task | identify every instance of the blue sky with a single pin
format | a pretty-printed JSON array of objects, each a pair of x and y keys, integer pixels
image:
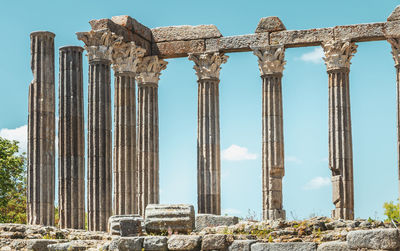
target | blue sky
[{"x": 306, "y": 185}]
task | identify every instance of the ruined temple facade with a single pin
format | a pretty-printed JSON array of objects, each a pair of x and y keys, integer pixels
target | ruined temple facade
[{"x": 138, "y": 54}]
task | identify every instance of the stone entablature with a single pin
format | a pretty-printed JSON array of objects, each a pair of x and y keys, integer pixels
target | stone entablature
[{"x": 179, "y": 41}]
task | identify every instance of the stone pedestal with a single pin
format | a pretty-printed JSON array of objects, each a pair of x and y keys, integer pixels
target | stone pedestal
[
  {"x": 125, "y": 59},
  {"x": 271, "y": 64},
  {"x": 337, "y": 59},
  {"x": 41, "y": 131},
  {"x": 99, "y": 170},
  {"x": 207, "y": 68},
  {"x": 149, "y": 71},
  {"x": 71, "y": 140}
]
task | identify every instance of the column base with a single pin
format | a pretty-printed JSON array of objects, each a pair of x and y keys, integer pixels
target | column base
[
  {"x": 274, "y": 214},
  {"x": 343, "y": 213}
]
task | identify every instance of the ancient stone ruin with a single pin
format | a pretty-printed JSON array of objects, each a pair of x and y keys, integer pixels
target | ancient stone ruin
[{"x": 138, "y": 54}]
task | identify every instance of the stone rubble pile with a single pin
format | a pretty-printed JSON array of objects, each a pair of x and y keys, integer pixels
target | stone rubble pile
[{"x": 208, "y": 232}]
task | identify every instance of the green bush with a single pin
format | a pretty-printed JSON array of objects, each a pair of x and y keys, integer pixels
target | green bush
[
  {"x": 12, "y": 183},
  {"x": 392, "y": 211}
]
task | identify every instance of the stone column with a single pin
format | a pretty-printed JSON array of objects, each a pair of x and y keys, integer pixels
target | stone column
[
  {"x": 271, "y": 63},
  {"x": 395, "y": 43},
  {"x": 71, "y": 140},
  {"x": 207, "y": 68},
  {"x": 125, "y": 60},
  {"x": 98, "y": 47},
  {"x": 337, "y": 60},
  {"x": 149, "y": 71},
  {"x": 41, "y": 131}
]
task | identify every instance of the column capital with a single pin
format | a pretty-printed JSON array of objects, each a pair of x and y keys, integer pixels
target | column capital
[
  {"x": 149, "y": 69},
  {"x": 126, "y": 56},
  {"x": 98, "y": 44},
  {"x": 208, "y": 65},
  {"x": 395, "y": 43},
  {"x": 338, "y": 53},
  {"x": 270, "y": 59}
]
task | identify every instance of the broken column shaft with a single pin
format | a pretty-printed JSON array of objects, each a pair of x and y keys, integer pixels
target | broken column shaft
[
  {"x": 337, "y": 59},
  {"x": 41, "y": 131},
  {"x": 71, "y": 140},
  {"x": 271, "y": 64}
]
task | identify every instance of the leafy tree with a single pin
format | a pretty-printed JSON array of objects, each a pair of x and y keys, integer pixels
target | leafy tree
[
  {"x": 392, "y": 211},
  {"x": 12, "y": 183}
]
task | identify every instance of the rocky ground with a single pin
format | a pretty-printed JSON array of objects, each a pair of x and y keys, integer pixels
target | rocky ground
[{"x": 317, "y": 233}]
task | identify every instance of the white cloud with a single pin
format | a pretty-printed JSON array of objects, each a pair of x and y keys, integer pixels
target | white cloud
[
  {"x": 235, "y": 152},
  {"x": 19, "y": 134},
  {"x": 293, "y": 159},
  {"x": 231, "y": 211},
  {"x": 317, "y": 183},
  {"x": 314, "y": 56}
]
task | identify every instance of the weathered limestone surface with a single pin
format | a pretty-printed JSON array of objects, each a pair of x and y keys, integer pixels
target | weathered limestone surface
[
  {"x": 211, "y": 220},
  {"x": 237, "y": 43},
  {"x": 125, "y": 35},
  {"x": 214, "y": 242},
  {"x": 184, "y": 242},
  {"x": 114, "y": 222},
  {"x": 207, "y": 67},
  {"x": 334, "y": 235},
  {"x": 176, "y": 218},
  {"x": 179, "y": 41},
  {"x": 149, "y": 71},
  {"x": 271, "y": 63},
  {"x": 270, "y": 24},
  {"x": 185, "y": 32},
  {"x": 395, "y": 15},
  {"x": 298, "y": 246},
  {"x": 395, "y": 43},
  {"x": 126, "y": 244},
  {"x": 99, "y": 172},
  {"x": 130, "y": 227},
  {"x": 39, "y": 245},
  {"x": 337, "y": 59},
  {"x": 72, "y": 245},
  {"x": 155, "y": 243},
  {"x": 241, "y": 245},
  {"x": 334, "y": 246},
  {"x": 134, "y": 26},
  {"x": 41, "y": 131},
  {"x": 125, "y": 58},
  {"x": 387, "y": 239},
  {"x": 175, "y": 49},
  {"x": 71, "y": 139}
]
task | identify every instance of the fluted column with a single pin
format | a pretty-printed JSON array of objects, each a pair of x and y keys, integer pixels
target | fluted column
[
  {"x": 207, "y": 68},
  {"x": 395, "y": 43},
  {"x": 149, "y": 71},
  {"x": 71, "y": 140},
  {"x": 271, "y": 64},
  {"x": 337, "y": 59},
  {"x": 99, "y": 169},
  {"x": 125, "y": 60},
  {"x": 41, "y": 131}
]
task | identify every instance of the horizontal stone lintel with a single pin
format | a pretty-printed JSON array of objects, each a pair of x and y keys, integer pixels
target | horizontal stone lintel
[
  {"x": 179, "y": 41},
  {"x": 288, "y": 38}
]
